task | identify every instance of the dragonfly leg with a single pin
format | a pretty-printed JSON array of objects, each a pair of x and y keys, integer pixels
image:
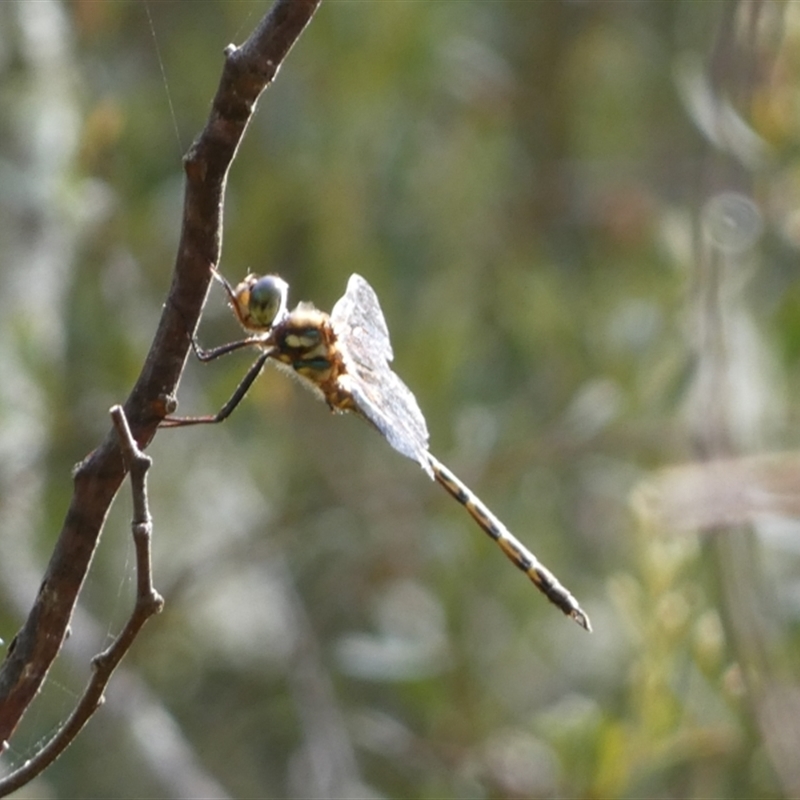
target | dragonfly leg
[
  {"x": 515, "y": 551},
  {"x": 235, "y": 399},
  {"x": 222, "y": 350}
]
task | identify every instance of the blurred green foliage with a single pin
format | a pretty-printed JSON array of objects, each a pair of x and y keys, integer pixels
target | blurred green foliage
[{"x": 527, "y": 186}]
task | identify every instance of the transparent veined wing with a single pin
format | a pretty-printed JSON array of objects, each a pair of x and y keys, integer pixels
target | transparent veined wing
[{"x": 376, "y": 390}]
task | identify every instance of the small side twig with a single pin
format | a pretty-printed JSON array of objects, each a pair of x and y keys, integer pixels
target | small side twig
[{"x": 148, "y": 602}]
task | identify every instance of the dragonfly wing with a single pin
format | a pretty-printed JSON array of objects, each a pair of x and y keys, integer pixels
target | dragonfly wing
[
  {"x": 377, "y": 392},
  {"x": 361, "y": 324},
  {"x": 397, "y": 417}
]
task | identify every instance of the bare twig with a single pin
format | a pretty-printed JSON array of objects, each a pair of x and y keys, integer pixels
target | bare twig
[
  {"x": 148, "y": 603},
  {"x": 156, "y": 740},
  {"x": 247, "y": 72}
]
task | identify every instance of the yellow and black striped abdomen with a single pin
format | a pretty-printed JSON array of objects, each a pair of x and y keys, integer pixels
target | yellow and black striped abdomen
[{"x": 516, "y": 552}]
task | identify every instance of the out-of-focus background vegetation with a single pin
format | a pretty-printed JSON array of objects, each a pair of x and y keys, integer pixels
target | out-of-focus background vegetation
[{"x": 582, "y": 221}]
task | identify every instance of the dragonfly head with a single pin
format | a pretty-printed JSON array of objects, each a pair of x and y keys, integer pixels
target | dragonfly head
[{"x": 259, "y": 301}]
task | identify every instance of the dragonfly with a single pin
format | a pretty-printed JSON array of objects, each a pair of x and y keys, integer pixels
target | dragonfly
[{"x": 345, "y": 359}]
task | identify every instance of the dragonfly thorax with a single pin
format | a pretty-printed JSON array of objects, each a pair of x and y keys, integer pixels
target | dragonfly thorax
[{"x": 305, "y": 342}]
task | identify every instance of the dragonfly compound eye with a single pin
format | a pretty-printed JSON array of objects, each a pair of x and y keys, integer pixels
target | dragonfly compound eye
[{"x": 267, "y": 301}]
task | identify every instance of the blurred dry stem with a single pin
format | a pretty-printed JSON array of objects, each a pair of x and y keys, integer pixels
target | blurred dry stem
[
  {"x": 732, "y": 406},
  {"x": 709, "y": 494}
]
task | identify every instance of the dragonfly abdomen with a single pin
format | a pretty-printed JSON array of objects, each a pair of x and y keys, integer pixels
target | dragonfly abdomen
[{"x": 515, "y": 551}]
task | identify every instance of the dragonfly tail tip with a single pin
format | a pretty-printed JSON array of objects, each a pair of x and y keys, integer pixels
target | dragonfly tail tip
[{"x": 582, "y": 618}]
